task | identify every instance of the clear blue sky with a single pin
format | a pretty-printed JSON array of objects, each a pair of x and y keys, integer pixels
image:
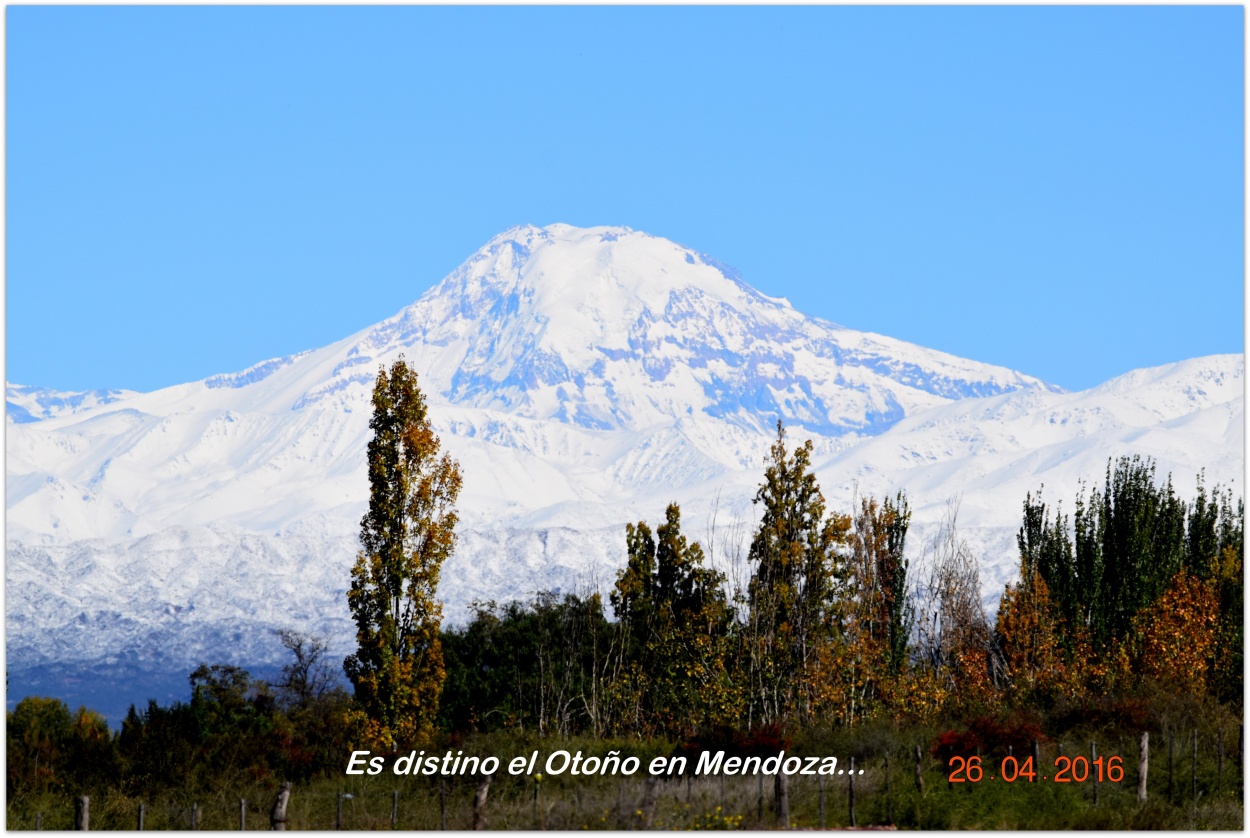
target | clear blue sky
[{"x": 193, "y": 190}]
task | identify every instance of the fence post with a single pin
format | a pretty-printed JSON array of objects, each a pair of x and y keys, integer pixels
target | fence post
[
  {"x": 919, "y": 773},
  {"x": 339, "y": 820},
  {"x": 1037, "y": 761},
  {"x": 1219, "y": 759},
  {"x": 395, "y": 809},
  {"x": 649, "y": 798},
  {"x": 140, "y": 816},
  {"x": 442, "y": 803},
  {"x": 82, "y": 813},
  {"x": 1171, "y": 741},
  {"x": 38, "y": 821},
  {"x": 277, "y": 818},
  {"x": 1143, "y": 766},
  {"x": 821, "y": 778},
  {"x": 889, "y": 799},
  {"x": 195, "y": 816},
  {"x": 479, "y": 803},
  {"x": 1193, "y": 770},
  {"x": 783, "y": 800},
  {"x": 242, "y": 814},
  {"x": 851, "y": 793}
]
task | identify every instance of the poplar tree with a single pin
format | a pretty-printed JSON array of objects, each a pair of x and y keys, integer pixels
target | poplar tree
[
  {"x": 885, "y": 612},
  {"x": 675, "y": 618},
  {"x": 406, "y": 535},
  {"x": 798, "y": 593}
]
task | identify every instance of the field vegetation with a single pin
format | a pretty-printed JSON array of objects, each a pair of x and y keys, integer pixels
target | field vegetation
[{"x": 1127, "y": 619}]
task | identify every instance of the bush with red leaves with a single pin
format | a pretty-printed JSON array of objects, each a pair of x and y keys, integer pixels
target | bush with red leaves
[{"x": 988, "y": 737}]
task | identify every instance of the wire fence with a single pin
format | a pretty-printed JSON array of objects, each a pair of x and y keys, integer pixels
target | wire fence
[{"x": 1178, "y": 768}]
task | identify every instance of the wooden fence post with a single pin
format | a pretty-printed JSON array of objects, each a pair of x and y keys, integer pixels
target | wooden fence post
[
  {"x": 242, "y": 814},
  {"x": 195, "y": 816},
  {"x": 479, "y": 803},
  {"x": 821, "y": 778},
  {"x": 1193, "y": 770},
  {"x": 38, "y": 821},
  {"x": 889, "y": 799},
  {"x": 395, "y": 809},
  {"x": 140, "y": 816},
  {"x": 919, "y": 773},
  {"x": 1143, "y": 766},
  {"x": 851, "y": 791},
  {"x": 1219, "y": 759},
  {"x": 277, "y": 818},
  {"x": 82, "y": 813},
  {"x": 1171, "y": 741},
  {"x": 649, "y": 798},
  {"x": 783, "y": 799}
]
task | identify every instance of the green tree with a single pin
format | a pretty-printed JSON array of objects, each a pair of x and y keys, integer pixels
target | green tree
[
  {"x": 884, "y": 610},
  {"x": 675, "y": 620},
  {"x": 1128, "y": 542},
  {"x": 407, "y": 534},
  {"x": 536, "y": 666},
  {"x": 798, "y": 592}
]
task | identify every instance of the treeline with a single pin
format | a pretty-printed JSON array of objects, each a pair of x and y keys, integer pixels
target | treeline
[
  {"x": 1137, "y": 588},
  {"x": 833, "y": 629},
  {"x": 233, "y": 727}
]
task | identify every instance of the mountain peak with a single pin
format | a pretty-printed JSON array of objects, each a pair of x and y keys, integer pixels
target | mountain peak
[{"x": 613, "y": 328}]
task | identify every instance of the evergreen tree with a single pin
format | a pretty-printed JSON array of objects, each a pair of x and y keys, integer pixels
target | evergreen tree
[{"x": 406, "y": 535}]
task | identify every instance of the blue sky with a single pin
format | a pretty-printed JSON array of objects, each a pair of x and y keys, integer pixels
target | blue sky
[{"x": 193, "y": 190}]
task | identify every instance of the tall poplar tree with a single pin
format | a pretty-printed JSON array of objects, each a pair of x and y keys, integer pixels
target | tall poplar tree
[
  {"x": 675, "y": 619},
  {"x": 407, "y": 534},
  {"x": 798, "y": 594}
]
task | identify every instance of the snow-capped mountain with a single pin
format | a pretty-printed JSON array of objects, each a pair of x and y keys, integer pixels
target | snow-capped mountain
[
  {"x": 30, "y": 404},
  {"x": 583, "y": 378}
]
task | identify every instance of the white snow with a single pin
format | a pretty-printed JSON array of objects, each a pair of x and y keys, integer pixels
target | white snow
[{"x": 583, "y": 378}]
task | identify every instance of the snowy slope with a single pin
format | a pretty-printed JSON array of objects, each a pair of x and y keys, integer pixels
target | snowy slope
[
  {"x": 583, "y": 378},
  {"x": 30, "y": 404}
]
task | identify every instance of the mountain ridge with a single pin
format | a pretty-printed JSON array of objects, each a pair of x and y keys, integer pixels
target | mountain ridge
[{"x": 243, "y": 491}]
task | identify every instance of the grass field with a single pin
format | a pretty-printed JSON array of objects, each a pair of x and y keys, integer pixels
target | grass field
[{"x": 1209, "y": 797}]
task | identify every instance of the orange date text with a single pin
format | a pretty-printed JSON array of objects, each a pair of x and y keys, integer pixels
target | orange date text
[{"x": 1076, "y": 769}]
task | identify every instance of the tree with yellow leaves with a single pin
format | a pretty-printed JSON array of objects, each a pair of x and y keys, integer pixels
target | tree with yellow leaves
[
  {"x": 1028, "y": 640},
  {"x": 798, "y": 593},
  {"x": 1178, "y": 634},
  {"x": 406, "y": 535}
]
